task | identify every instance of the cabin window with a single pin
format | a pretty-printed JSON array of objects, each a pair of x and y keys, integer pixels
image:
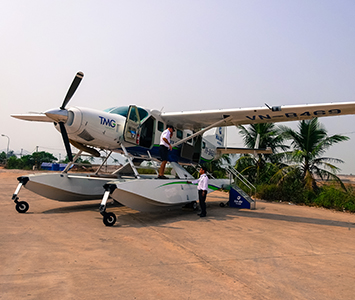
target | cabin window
[
  {"x": 160, "y": 126},
  {"x": 179, "y": 134},
  {"x": 203, "y": 145}
]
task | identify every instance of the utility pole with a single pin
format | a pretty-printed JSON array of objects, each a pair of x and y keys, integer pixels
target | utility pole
[
  {"x": 35, "y": 166},
  {"x": 8, "y": 144}
]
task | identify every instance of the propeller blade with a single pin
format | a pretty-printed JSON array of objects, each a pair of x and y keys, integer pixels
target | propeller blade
[
  {"x": 77, "y": 79},
  {"x": 66, "y": 140}
]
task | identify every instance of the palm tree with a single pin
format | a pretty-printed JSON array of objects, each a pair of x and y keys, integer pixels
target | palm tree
[
  {"x": 215, "y": 167},
  {"x": 310, "y": 142},
  {"x": 269, "y": 137},
  {"x": 260, "y": 167}
]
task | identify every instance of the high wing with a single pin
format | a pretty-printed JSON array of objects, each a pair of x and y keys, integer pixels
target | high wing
[
  {"x": 37, "y": 117},
  {"x": 229, "y": 150},
  {"x": 195, "y": 120}
]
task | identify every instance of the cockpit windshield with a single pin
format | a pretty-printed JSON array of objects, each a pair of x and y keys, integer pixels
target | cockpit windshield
[{"x": 123, "y": 111}]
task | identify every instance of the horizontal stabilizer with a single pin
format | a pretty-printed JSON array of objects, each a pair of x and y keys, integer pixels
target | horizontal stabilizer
[
  {"x": 228, "y": 150},
  {"x": 37, "y": 117}
]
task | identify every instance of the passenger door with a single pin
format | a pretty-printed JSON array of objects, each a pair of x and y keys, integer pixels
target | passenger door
[{"x": 131, "y": 131}]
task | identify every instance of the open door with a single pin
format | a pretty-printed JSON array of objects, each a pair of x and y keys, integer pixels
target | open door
[
  {"x": 132, "y": 126},
  {"x": 147, "y": 133}
]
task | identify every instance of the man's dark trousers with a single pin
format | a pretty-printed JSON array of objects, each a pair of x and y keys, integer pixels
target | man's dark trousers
[{"x": 202, "y": 200}]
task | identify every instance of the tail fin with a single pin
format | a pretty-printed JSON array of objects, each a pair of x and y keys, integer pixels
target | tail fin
[{"x": 219, "y": 136}]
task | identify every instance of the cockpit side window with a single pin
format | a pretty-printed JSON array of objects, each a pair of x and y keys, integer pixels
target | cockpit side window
[
  {"x": 142, "y": 113},
  {"x": 133, "y": 115}
]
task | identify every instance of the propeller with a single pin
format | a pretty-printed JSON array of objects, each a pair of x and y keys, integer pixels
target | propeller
[
  {"x": 62, "y": 114},
  {"x": 63, "y": 131},
  {"x": 77, "y": 79}
]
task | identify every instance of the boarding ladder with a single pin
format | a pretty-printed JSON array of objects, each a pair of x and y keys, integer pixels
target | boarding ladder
[
  {"x": 237, "y": 197},
  {"x": 130, "y": 166}
]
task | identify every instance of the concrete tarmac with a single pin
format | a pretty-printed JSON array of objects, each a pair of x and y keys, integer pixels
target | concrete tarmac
[{"x": 63, "y": 250}]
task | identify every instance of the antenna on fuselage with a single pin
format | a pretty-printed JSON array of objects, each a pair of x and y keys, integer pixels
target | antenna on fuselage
[{"x": 274, "y": 108}]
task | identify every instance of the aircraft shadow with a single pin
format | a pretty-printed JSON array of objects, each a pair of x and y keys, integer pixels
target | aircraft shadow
[
  {"x": 80, "y": 207},
  {"x": 214, "y": 212},
  {"x": 295, "y": 219},
  {"x": 127, "y": 217}
]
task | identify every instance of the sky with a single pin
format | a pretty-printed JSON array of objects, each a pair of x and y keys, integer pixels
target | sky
[{"x": 174, "y": 55}]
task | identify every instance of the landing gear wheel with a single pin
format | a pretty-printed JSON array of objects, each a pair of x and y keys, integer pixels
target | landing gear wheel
[
  {"x": 109, "y": 219},
  {"x": 222, "y": 204},
  {"x": 22, "y": 207}
]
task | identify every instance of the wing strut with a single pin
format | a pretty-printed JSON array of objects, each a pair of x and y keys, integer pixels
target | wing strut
[
  {"x": 71, "y": 163},
  {"x": 200, "y": 132},
  {"x": 103, "y": 162}
]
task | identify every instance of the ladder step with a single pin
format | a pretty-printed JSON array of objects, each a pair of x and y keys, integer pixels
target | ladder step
[{"x": 240, "y": 199}]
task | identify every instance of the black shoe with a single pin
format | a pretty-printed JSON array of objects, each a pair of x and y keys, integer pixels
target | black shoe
[
  {"x": 162, "y": 177},
  {"x": 201, "y": 215}
]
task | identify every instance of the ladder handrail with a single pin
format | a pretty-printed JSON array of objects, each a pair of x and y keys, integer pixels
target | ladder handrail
[{"x": 233, "y": 172}]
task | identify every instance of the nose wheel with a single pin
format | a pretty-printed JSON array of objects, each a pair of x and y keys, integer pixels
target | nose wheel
[
  {"x": 22, "y": 206},
  {"x": 109, "y": 218}
]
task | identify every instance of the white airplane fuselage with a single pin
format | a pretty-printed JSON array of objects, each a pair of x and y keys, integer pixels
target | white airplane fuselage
[{"x": 106, "y": 130}]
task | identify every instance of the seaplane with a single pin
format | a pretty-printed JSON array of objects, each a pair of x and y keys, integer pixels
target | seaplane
[{"x": 134, "y": 132}]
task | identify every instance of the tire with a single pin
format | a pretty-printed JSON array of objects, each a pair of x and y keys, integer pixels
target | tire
[
  {"x": 222, "y": 204},
  {"x": 109, "y": 219},
  {"x": 22, "y": 207}
]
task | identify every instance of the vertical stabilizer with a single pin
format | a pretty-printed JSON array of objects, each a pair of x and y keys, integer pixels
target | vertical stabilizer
[{"x": 220, "y": 136}]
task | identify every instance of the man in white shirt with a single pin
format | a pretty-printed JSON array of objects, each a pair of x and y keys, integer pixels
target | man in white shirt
[
  {"x": 202, "y": 190},
  {"x": 164, "y": 148}
]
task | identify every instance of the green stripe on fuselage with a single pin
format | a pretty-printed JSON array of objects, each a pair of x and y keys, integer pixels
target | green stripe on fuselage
[{"x": 211, "y": 187}]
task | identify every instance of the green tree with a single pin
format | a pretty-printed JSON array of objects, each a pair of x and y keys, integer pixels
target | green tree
[
  {"x": 261, "y": 167},
  {"x": 28, "y": 161},
  {"x": 40, "y": 157},
  {"x": 215, "y": 167},
  {"x": 309, "y": 143},
  {"x": 10, "y": 153},
  {"x": 2, "y": 157},
  {"x": 269, "y": 136},
  {"x": 14, "y": 163}
]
